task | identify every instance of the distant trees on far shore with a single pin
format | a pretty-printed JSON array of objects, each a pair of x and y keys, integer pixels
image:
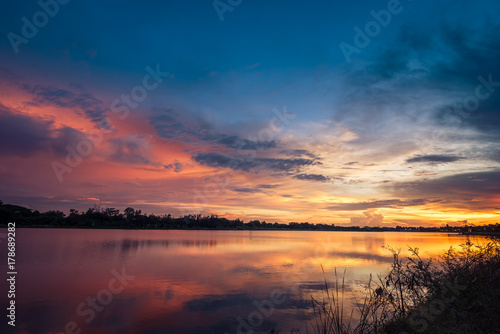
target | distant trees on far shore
[{"x": 134, "y": 219}]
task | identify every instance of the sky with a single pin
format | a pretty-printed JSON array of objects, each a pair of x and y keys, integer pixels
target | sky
[{"x": 369, "y": 113}]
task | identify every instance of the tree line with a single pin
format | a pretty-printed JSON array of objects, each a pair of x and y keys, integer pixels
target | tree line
[{"x": 131, "y": 218}]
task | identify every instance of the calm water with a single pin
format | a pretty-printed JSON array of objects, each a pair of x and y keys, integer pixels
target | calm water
[{"x": 114, "y": 281}]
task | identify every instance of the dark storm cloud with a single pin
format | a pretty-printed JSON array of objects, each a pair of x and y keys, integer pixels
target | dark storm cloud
[
  {"x": 85, "y": 103},
  {"x": 392, "y": 203},
  {"x": 23, "y": 135},
  {"x": 311, "y": 177},
  {"x": 434, "y": 158}
]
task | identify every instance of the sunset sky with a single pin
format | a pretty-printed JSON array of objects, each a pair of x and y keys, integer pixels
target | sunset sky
[{"x": 376, "y": 113}]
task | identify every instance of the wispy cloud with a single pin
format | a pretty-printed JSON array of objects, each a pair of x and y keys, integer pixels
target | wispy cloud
[
  {"x": 214, "y": 159},
  {"x": 391, "y": 203},
  {"x": 311, "y": 177},
  {"x": 434, "y": 158},
  {"x": 80, "y": 102}
]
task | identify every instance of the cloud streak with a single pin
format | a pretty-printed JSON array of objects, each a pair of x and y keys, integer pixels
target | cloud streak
[
  {"x": 434, "y": 158},
  {"x": 80, "y": 102}
]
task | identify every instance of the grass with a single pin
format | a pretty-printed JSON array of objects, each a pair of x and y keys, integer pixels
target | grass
[
  {"x": 329, "y": 313},
  {"x": 458, "y": 292}
]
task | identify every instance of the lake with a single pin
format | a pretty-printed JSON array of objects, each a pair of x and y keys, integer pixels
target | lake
[{"x": 169, "y": 281}]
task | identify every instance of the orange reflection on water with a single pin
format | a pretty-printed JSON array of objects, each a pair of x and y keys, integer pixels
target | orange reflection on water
[{"x": 196, "y": 281}]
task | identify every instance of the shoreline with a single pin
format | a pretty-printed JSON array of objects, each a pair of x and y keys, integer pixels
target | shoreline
[{"x": 347, "y": 229}]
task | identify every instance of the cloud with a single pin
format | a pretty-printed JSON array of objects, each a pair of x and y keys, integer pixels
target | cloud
[
  {"x": 268, "y": 186},
  {"x": 443, "y": 57},
  {"x": 473, "y": 191},
  {"x": 369, "y": 218},
  {"x": 299, "y": 153},
  {"x": 261, "y": 188},
  {"x": 242, "y": 144},
  {"x": 434, "y": 158},
  {"x": 392, "y": 203},
  {"x": 311, "y": 177},
  {"x": 170, "y": 124},
  {"x": 246, "y": 190},
  {"x": 495, "y": 155},
  {"x": 400, "y": 99},
  {"x": 23, "y": 135},
  {"x": 177, "y": 166},
  {"x": 192, "y": 128},
  {"x": 85, "y": 103},
  {"x": 132, "y": 150},
  {"x": 286, "y": 165},
  {"x": 214, "y": 159}
]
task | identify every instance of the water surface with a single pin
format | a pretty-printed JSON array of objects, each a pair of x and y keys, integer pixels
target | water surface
[{"x": 191, "y": 281}]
